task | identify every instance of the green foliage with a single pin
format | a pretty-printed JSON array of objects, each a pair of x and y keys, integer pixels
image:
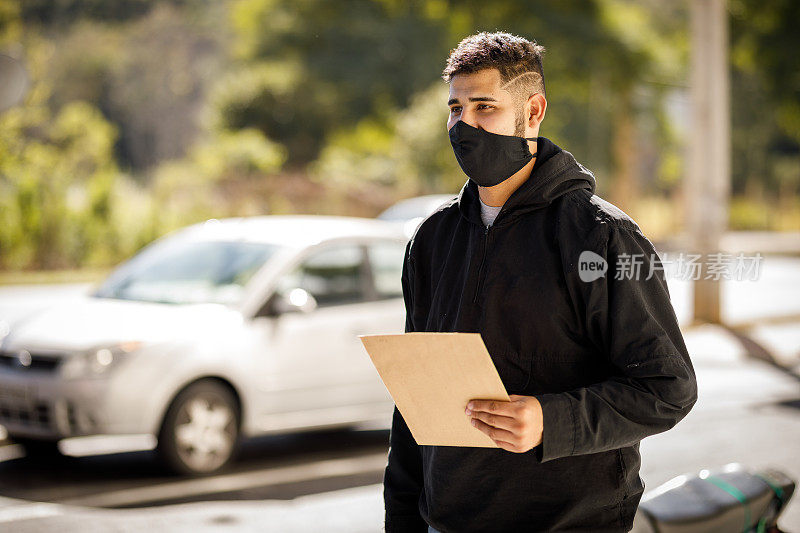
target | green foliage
[
  {"x": 57, "y": 175},
  {"x": 322, "y": 66},
  {"x": 197, "y": 187},
  {"x": 60, "y": 12},
  {"x": 408, "y": 151},
  {"x": 146, "y": 115},
  {"x": 149, "y": 75},
  {"x": 754, "y": 214},
  {"x": 765, "y": 87},
  {"x": 10, "y": 23},
  {"x": 239, "y": 153}
]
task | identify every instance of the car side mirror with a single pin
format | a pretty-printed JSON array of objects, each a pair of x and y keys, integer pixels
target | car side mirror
[{"x": 295, "y": 301}]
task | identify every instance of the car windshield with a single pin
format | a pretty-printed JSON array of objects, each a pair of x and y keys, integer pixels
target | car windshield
[{"x": 188, "y": 272}]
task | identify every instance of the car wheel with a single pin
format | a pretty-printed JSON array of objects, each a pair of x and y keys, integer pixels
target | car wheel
[{"x": 200, "y": 432}]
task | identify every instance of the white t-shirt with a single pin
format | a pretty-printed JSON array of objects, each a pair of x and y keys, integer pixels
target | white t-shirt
[{"x": 489, "y": 213}]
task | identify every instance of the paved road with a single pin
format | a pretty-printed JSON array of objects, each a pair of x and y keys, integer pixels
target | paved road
[{"x": 748, "y": 412}]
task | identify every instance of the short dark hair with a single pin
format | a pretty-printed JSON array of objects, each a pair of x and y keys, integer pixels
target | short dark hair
[{"x": 515, "y": 57}]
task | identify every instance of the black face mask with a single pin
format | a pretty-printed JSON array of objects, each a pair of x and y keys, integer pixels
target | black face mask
[{"x": 488, "y": 158}]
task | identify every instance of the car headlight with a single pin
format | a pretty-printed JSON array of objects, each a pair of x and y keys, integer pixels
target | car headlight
[{"x": 97, "y": 361}]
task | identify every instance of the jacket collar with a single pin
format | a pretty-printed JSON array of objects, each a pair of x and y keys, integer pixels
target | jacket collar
[{"x": 554, "y": 173}]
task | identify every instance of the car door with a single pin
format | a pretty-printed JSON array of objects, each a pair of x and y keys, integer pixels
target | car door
[
  {"x": 387, "y": 314},
  {"x": 314, "y": 360}
]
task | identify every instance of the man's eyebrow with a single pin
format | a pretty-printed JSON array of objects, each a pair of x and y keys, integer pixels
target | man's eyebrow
[{"x": 473, "y": 99}]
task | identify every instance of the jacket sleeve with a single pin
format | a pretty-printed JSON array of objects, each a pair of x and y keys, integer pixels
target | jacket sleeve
[
  {"x": 632, "y": 322},
  {"x": 402, "y": 480}
]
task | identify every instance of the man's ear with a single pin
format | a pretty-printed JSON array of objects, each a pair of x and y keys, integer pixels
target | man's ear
[{"x": 537, "y": 106}]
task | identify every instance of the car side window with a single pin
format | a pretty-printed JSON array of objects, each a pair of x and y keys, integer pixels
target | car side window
[
  {"x": 386, "y": 263},
  {"x": 334, "y": 276}
]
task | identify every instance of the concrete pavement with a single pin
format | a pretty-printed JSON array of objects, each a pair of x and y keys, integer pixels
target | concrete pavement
[{"x": 748, "y": 411}]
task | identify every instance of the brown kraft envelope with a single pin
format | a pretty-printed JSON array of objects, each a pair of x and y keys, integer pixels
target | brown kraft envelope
[{"x": 431, "y": 377}]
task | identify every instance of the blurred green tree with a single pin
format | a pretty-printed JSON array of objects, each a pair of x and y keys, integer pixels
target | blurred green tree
[
  {"x": 309, "y": 68},
  {"x": 57, "y": 175},
  {"x": 765, "y": 86},
  {"x": 171, "y": 111}
]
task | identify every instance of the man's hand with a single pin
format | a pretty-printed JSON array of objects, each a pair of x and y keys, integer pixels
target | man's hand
[{"x": 515, "y": 426}]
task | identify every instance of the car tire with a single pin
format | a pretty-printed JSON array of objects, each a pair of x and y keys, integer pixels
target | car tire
[{"x": 200, "y": 431}]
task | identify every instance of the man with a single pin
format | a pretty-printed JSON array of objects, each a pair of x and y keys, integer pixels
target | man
[{"x": 527, "y": 256}]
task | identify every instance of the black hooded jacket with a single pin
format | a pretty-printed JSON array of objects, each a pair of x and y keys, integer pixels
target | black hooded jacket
[{"x": 604, "y": 357}]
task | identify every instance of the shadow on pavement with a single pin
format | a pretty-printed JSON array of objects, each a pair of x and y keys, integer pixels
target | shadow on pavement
[
  {"x": 757, "y": 350},
  {"x": 57, "y": 478}
]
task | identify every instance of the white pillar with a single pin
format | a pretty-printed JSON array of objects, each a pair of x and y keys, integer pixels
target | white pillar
[{"x": 708, "y": 184}]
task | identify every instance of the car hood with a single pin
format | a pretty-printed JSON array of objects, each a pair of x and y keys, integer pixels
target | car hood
[{"x": 87, "y": 322}]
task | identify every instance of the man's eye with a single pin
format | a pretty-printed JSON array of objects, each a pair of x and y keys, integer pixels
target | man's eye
[
  {"x": 455, "y": 109},
  {"x": 485, "y": 106}
]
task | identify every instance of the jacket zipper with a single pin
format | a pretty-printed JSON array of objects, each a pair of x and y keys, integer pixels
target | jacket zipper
[{"x": 480, "y": 268}]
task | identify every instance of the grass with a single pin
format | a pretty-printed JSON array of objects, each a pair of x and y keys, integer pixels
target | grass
[{"x": 25, "y": 277}]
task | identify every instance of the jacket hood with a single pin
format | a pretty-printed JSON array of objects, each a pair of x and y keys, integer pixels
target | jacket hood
[{"x": 554, "y": 173}]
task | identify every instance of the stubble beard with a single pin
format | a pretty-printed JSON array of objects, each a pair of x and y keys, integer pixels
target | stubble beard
[{"x": 519, "y": 123}]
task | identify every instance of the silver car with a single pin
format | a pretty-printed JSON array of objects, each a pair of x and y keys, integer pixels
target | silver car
[
  {"x": 410, "y": 212},
  {"x": 221, "y": 330}
]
